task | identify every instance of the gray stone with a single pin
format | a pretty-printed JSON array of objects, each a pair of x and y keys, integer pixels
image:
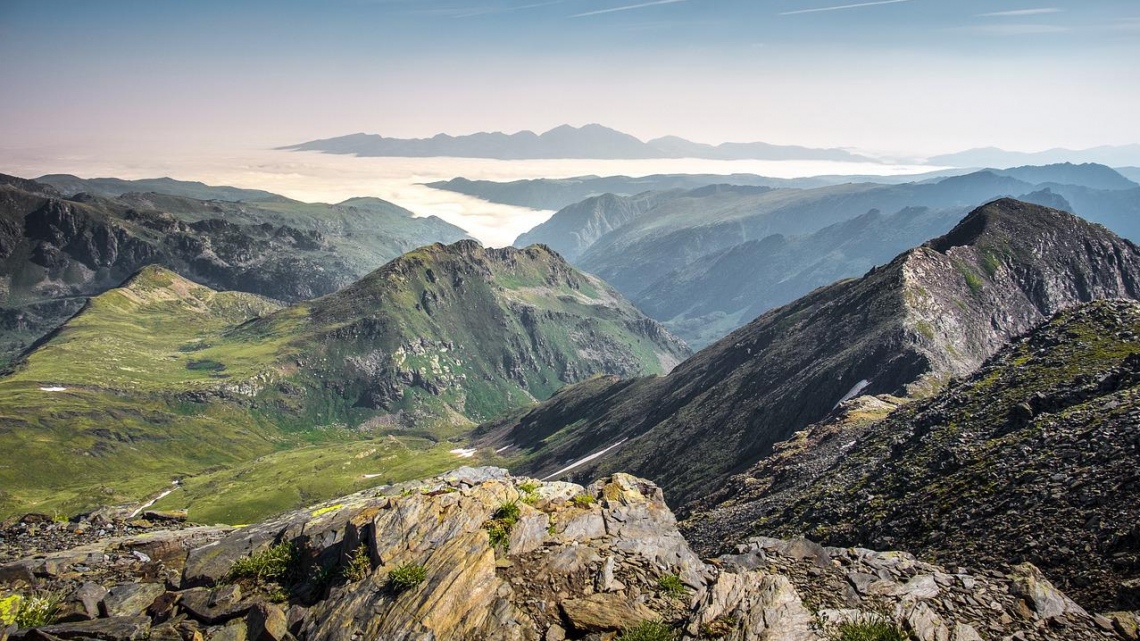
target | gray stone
[
  {"x": 112, "y": 629},
  {"x": 130, "y": 599}
]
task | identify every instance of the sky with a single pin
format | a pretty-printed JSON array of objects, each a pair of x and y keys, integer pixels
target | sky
[{"x": 904, "y": 78}]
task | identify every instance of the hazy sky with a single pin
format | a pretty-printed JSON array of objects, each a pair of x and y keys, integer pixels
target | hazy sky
[{"x": 912, "y": 76}]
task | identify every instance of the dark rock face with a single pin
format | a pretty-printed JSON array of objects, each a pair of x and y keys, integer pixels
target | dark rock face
[
  {"x": 1032, "y": 458},
  {"x": 933, "y": 312}
]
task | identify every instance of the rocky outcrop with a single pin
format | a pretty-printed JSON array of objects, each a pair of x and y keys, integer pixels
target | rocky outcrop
[{"x": 478, "y": 554}]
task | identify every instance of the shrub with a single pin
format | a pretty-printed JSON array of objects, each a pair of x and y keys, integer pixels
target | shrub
[
  {"x": 649, "y": 631},
  {"x": 273, "y": 564},
  {"x": 359, "y": 566},
  {"x": 869, "y": 629},
  {"x": 671, "y": 586},
  {"x": 406, "y": 576}
]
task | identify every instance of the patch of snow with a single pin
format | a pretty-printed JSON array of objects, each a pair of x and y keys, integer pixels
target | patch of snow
[
  {"x": 584, "y": 460},
  {"x": 369, "y": 476},
  {"x": 53, "y": 389},
  {"x": 462, "y": 453},
  {"x": 156, "y": 499},
  {"x": 859, "y": 387},
  {"x": 505, "y": 447}
]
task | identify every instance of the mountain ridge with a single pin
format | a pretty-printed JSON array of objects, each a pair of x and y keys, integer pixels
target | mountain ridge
[
  {"x": 152, "y": 379},
  {"x": 589, "y": 141},
  {"x": 1044, "y": 432},
  {"x": 904, "y": 326}
]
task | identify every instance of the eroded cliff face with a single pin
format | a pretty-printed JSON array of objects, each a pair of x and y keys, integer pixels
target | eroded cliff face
[{"x": 478, "y": 554}]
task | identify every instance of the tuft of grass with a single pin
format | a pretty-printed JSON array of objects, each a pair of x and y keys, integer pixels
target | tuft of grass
[
  {"x": 649, "y": 631},
  {"x": 502, "y": 521},
  {"x": 276, "y": 563},
  {"x": 583, "y": 500},
  {"x": 671, "y": 586},
  {"x": 406, "y": 576},
  {"x": 869, "y": 629},
  {"x": 359, "y": 566}
]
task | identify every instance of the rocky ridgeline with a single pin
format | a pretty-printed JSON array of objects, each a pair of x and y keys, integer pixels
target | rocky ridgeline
[
  {"x": 477, "y": 554},
  {"x": 1032, "y": 458}
]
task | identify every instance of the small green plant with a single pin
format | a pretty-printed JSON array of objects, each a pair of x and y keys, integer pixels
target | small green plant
[
  {"x": 508, "y": 514},
  {"x": 273, "y": 564},
  {"x": 406, "y": 576},
  {"x": 973, "y": 281},
  {"x": 583, "y": 500},
  {"x": 322, "y": 577},
  {"x": 871, "y": 628},
  {"x": 37, "y": 609},
  {"x": 530, "y": 487},
  {"x": 649, "y": 631},
  {"x": 359, "y": 566},
  {"x": 501, "y": 523},
  {"x": 671, "y": 586}
]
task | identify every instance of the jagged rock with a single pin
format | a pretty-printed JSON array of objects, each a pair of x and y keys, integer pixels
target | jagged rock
[
  {"x": 235, "y": 630},
  {"x": 130, "y": 599},
  {"x": 84, "y": 603},
  {"x": 925, "y": 624},
  {"x": 19, "y": 572},
  {"x": 604, "y": 612},
  {"x": 213, "y": 606},
  {"x": 755, "y": 605},
  {"x": 965, "y": 632},
  {"x": 579, "y": 588},
  {"x": 112, "y": 629},
  {"x": 1047, "y": 601},
  {"x": 267, "y": 622}
]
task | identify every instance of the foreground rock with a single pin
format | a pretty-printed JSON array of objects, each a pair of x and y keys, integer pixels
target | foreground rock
[{"x": 477, "y": 554}]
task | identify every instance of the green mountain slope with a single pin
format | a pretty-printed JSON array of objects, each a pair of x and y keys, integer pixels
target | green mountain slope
[
  {"x": 56, "y": 252},
  {"x": 935, "y": 311},
  {"x": 1032, "y": 458},
  {"x": 425, "y": 347}
]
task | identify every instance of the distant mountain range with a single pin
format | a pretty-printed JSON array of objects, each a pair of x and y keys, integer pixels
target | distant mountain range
[
  {"x": 1113, "y": 156},
  {"x": 590, "y": 141},
  {"x": 705, "y": 261}
]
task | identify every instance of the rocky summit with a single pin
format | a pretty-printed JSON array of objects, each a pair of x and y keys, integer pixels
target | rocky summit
[
  {"x": 1033, "y": 457},
  {"x": 479, "y": 554}
]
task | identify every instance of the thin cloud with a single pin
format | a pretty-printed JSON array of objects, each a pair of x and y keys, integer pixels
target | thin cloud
[
  {"x": 1015, "y": 29},
  {"x": 636, "y": 6},
  {"x": 841, "y": 7},
  {"x": 1019, "y": 13}
]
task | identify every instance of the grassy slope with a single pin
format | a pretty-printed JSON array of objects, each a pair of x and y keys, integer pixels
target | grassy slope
[
  {"x": 119, "y": 362},
  {"x": 164, "y": 378}
]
